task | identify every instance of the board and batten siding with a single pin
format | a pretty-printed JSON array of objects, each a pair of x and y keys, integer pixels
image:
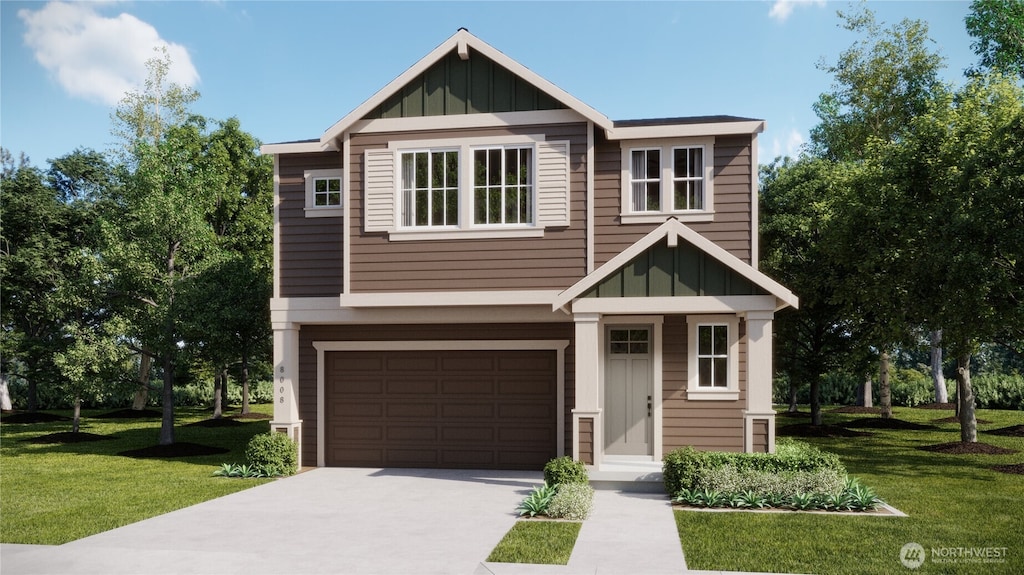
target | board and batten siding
[
  {"x": 555, "y": 261},
  {"x": 731, "y": 228},
  {"x": 431, "y": 332},
  {"x": 310, "y": 249},
  {"x": 705, "y": 425}
]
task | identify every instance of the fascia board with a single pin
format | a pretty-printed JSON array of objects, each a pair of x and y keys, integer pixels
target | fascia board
[{"x": 686, "y": 130}]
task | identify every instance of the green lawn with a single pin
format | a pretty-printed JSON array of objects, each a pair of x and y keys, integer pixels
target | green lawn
[
  {"x": 55, "y": 493},
  {"x": 537, "y": 541},
  {"x": 953, "y": 501}
]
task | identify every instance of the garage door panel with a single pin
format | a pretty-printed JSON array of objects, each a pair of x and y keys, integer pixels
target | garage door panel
[{"x": 450, "y": 408}]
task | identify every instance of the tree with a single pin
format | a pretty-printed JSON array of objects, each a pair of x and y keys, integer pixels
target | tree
[{"x": 997, "y": 27}]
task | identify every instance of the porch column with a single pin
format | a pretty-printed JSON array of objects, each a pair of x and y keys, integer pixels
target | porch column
[
  {"x": 759, "y": 417},
  {"x": 586, "y": 406},
  {"x": 286, "y": 383}
]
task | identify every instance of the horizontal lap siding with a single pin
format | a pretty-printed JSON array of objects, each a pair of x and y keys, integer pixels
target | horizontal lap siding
[
  {"x": 555, "y": 261},
  {"x": 710, "y": 425},
  {"x": 310, "y": 333},
  {"x": 731, "y": 228},
  {"x": 310, "y": 250}
]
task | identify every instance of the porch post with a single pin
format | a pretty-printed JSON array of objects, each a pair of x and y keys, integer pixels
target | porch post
[
  {"x": 286, "y": 390},
  {"x": 759, "y": 379},
  {"x": 587, "y": 389}
]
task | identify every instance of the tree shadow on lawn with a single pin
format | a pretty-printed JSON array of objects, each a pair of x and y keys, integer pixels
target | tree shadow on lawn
[{"x": 25, "y": 417}]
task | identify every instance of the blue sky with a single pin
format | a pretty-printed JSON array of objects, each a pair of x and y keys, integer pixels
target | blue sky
[{"x": 289, "y": 70}]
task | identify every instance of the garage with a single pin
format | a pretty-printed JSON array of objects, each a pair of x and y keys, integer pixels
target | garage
[{"x": 483, "y": 409}]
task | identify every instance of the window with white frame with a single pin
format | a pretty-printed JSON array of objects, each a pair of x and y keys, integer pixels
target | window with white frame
[
  {"x": 430, "y": 188},
  {"x": 324, "y": 193},
  {"x": 503, "y": 185},
  {"x": 713, "y": 357},
  {"x": 667, "y": 178}
]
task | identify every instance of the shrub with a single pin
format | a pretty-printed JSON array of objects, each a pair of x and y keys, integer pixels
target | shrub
[
  {"x": 728, "y": 479},
  {"x": 273, "y": 454},
  {"x": 999, "y": 391},
  {"x": 910, "y": 387},
  {"x": 572, "y": 501},
  {"x": 538, "y": 501},
  {"x": 564, "y": 471}
]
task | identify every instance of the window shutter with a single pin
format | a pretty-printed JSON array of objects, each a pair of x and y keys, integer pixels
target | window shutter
[
  {"x": 553, "y": 183},
  {"x": 379, "y": 190}
]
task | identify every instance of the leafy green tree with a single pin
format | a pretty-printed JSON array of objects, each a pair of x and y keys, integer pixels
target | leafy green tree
[{"x": 997, "y": 27}]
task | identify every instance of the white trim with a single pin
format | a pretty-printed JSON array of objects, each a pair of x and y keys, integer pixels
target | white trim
[
  {"x": 591, "y": 154},
  {"x": 694, "y": 392},
  {"x": 463, "y": 37},
  {"x": 325, "y": 311},
  {"x": 667, "y": 180},
  {"x": 448, "y": 298},
  {"x": 674, "y": 305},
  {"x": 748, "y": 429},
  {"x": 447, "y": 233},
  {"x": 674, "y": 226},
  {"x": 558, "y": 346},
  {"x": 312, "y": 210},
  {"x": 660, "y": 218},
  {"x": 755, "y": 200},
  {"x": 465, "y": 121},
  {"x": 346, "y": 221},
  {"x": 463, "y": 144},
  {"x": 277, "y": 226},
  {"x": 656, "y": 323},
  {"x": 298, "y": 148},
  {"x": 686, "y": 130}
]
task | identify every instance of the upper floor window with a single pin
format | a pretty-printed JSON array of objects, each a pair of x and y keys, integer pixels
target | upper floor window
[
  {"x": 503, "y": 185},
  {"x": 324, "y": 192},
  {"x": 430, "y": 188},
  {"x": 665, "y": 178}
]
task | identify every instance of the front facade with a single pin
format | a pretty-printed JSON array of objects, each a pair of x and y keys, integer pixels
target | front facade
[{"x": 475, "y": 269}]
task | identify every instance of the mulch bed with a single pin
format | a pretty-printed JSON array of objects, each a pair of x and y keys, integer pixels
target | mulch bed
[
  {"x": 221, "y": 422},
  {"x": 949, "y": 405},
  {"x": 879, "y": 423},
  {"x": 955, "y": 419},
  {"x": 856, "y": 409},
  {"x": 174, "y": 450},
  {"x": 68, "y": 437},
  {"x": 960, "y": 448},
  {"x": 1015, "y": 468},
  {"x": 27, "y": 417},
  {"x": 793, "y": 414},
  {"x": 808, "y": 430},
  {"x": 1012, "y": 431},
  {"x": 131, "y": 414},
  {"x": 252, "y": 416}
]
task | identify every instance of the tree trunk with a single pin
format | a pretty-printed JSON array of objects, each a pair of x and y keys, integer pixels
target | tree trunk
[
  {"x": 816, "y": 400},
  {"x": 884, "y": 390},
  {"x": 167, "y": 399},
  {"x": 793, "y": 388},
  {"x": 5, "y": 394},
  {"x": 965, "y": 395},
  {"x": 864, "y": 397},
  {"x": 245, "y": 383},
  {"x": 938, "y": 378},
  {"x": 218, "y": 409},
  {"x": 224, "y": 388},
  {"x": 32, "y": 396},
  {"x": 142, "y": 392},
  {"x": 76, "y": 421}
]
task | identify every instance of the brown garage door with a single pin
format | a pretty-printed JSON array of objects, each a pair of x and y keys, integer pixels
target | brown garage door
[{"x": 447, "y": 409}]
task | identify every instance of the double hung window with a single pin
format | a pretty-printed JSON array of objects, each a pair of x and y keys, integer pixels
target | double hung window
[
  {"x": 713, "y": 357},
  {"x": 666, "y": 178},
  {"x": 645, "y": 180},
  {"x": 503, "y": 185},
  {"x": 688, "y": 178},
  {"x": 430, "y": 188}
]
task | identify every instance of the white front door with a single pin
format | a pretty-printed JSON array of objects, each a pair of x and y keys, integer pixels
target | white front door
[{"x": 627, "y": 400}]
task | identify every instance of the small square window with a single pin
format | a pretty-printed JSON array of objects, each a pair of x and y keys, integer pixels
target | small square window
[{"x": 324, "y": 193}]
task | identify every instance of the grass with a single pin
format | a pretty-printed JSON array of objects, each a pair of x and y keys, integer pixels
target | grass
[
  {"x": 537, "y": 541},
  {"x": 953, "y": 501},
  {"x": 55, "y": 493}
]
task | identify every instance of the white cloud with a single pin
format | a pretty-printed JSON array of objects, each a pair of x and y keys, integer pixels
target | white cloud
[
  {"x": 97, "y": 57},
  {"x": 788, "y": 145},
  {"x": 781, "y": 9}
]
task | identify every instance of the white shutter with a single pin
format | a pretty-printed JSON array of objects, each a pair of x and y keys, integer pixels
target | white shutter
[
  {"x": 553, "y": 183},
  {"x": 379, "y": 190}
]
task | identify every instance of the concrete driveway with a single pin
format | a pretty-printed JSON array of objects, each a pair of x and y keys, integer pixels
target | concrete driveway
[{"x": 327, "y": 520}]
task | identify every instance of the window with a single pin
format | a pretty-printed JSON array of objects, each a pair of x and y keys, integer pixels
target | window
[
  {"x": 667, "y": 178},
  {"x": 324, "y": 193},
  {"x": 430, "y": 188},
  {"x": 713, "y": 357},
  {"x": 629, "y": 341},
  {"x": 503, "y": 185}
]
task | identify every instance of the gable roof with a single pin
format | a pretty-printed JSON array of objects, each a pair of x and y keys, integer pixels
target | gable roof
[
  {"x": 673, "y": 230},
  {"x": 463, "y": 42}
]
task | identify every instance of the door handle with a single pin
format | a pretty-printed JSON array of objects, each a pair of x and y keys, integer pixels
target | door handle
[{"x": 648, "y": 406}]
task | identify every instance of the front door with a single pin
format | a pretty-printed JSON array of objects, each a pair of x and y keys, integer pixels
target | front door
[{"x": 627, "y": 399}]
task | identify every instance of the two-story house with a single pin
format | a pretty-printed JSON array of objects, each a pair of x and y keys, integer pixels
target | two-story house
[{"x": 475, "y": 269}]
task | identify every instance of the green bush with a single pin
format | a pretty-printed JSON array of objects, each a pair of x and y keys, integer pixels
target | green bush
[
  {"x": 684, "y": 467},
  {"x": 572, "y": 501},
  {"x": 727, "y": 479},
  {"x": 910, "y": 387},
  {"x": 273, "y": 454},
  {"x": 999, "y": 391},
  {"x": 564, "y": 471}
]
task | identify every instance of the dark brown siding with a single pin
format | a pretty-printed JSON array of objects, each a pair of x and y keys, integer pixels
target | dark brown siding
[
  {"x": 760, "y": 436},
  {"x": 310, "y": 333},
  {"x": 310, "y": 248},
  {"x": 710, "y": 425},
  {"x": 587, "y": 440},
  {"x": 731, "y": 228},
  {"x": 555, "y": 261}
]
